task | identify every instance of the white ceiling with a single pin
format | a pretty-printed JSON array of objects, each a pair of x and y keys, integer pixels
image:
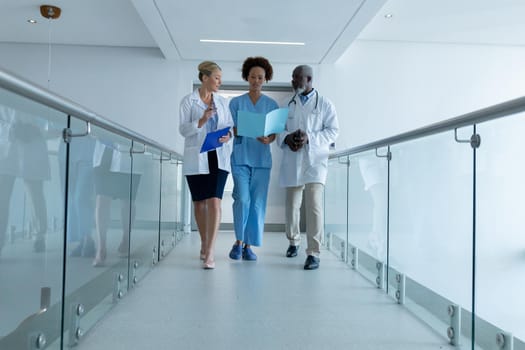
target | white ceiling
[
  {"x": 486, "y": 22},
  {"x": 327, "y": 27},
  {"x": 83, "y": 22}
]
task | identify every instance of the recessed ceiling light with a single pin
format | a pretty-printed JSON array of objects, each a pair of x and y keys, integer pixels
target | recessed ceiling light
[
  {"x": 32, "y": 21},
  {"x": 251, "y": 42},
  {"x": 389, "y": 15}
]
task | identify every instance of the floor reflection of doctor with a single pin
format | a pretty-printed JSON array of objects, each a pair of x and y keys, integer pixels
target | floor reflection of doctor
[{"x": 23, "y": 154}]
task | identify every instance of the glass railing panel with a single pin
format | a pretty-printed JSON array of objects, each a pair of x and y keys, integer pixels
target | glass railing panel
[
  {"x": 145, "y": 227},
  {"x": 335, "y": 228},
  {"x": 81, "y": 244},
  {"x": 500, "y": 248},
  {"x": 96, "y": 280},
  {"x": 169, "y": 204},
  {"x": 31, "y": 223},
  {"x": 182, "y": 196},
  {"x": 431, "y": 225},
  {"x": 367, "y": 212}
]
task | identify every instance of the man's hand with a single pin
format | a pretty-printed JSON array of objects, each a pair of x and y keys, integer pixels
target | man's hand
[
  {"x": 296, "y": 140},
  {"x": 289, "y": 141},
  {"x": 300, "y": 138}
]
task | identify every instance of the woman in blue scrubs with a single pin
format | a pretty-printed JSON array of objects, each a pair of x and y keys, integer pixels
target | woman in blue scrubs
[{"x": 251, "y": 162}]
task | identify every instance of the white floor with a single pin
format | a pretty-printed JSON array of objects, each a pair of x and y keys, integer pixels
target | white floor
[{"x": 269, "y": 304}]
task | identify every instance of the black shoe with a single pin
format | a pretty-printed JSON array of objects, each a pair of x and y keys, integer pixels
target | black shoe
[
  {"x": 292, "y": 251},
  {"x": 311, "y": 263}
]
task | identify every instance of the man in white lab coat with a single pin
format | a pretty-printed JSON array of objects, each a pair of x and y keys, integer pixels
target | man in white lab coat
[{"x": 311, "y": 128}]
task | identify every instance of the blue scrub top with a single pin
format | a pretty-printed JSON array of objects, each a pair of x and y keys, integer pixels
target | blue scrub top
[{"x": 246, "y": 150}]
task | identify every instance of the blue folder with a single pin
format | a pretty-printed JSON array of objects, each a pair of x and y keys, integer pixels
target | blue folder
[
  {"x": 211, "y": 141},
  {"x": 260, "y": 124}
]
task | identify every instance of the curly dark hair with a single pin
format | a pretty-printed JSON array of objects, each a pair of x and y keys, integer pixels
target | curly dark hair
[{"x": 259, "y": 61}]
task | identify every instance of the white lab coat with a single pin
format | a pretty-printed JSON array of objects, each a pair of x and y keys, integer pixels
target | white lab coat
[
  {"x": 191, "y": 110},
  {"x": 309, "y": 164}
]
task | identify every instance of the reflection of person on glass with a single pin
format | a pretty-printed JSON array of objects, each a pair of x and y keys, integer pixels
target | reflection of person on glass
[
  {"x": 251, "y": 162},
  {"x": 311, "y": 128},
  {"x": 373, "y": 172},
  {"x": 201, "y": 112},
  {"x": 23, "y": 154},
  {"x": 112, "y": 177},
  {"x": 80, "y": 194}
]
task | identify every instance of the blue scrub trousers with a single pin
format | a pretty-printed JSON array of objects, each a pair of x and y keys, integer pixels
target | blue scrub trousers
[{"x": 250, "y": 191}]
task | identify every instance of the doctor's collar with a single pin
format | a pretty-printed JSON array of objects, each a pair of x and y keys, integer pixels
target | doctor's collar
[{"x": 309, "y": 93}]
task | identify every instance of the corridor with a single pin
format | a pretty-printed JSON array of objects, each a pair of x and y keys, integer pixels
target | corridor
[{"x": 269, "y": 304}]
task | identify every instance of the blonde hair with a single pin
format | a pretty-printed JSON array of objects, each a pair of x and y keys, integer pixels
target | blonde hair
[{"x": 206, "y": 68}]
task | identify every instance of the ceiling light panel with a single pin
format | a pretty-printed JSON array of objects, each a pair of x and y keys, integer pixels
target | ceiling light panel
[{"x": 253, "y": 42}]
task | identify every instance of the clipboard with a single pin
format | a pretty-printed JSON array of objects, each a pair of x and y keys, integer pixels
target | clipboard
[{"x": 211, "y": 141}]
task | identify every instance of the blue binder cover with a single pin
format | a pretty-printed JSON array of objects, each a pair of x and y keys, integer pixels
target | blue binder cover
[{"x": 211, "y": 141}]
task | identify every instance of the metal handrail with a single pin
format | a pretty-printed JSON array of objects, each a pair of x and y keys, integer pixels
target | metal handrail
[
  {"x": 482, "y": 115},
  {"x": 23, "y": 87}
]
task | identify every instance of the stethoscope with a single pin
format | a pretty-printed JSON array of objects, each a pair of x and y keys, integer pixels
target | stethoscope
[{"x": 315, "y": 110}]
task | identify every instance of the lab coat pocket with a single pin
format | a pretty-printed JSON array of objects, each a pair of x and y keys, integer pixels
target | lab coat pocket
[
  {"x": 319, "y": 156},
  {"x": 191, "y": 160}
]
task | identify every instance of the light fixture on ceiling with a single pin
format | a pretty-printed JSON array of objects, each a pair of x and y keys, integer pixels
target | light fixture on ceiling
[
  {"x": 32, "y": 21},
  {"x": 50, "y": 11},
  {"x": 389, "y": 16},
  {"x": 252, "y": 42}
]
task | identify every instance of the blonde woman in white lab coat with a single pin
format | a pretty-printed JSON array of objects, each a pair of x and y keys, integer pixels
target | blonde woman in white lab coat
[{"x": 202, "y": 112}]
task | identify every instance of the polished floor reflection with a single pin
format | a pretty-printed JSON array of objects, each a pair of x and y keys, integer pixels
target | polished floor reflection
[{"x": 269, "y": 304}]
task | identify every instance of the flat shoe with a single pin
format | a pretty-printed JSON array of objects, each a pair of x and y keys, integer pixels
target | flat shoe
[
  {"x": 208, "y": 265},
  {"x": 248, "y": 254},
  {"x": 236, "y": 252}
]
